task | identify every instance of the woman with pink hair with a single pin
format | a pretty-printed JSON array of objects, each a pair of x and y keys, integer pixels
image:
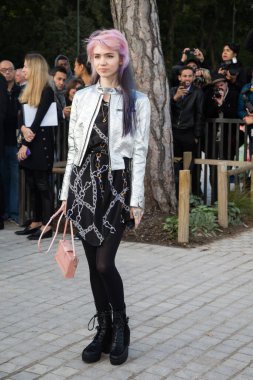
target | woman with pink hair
[{"x": 103, "y": 186}]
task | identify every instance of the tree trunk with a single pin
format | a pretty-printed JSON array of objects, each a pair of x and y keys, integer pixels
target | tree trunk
[{"x": 138, "y": 21}]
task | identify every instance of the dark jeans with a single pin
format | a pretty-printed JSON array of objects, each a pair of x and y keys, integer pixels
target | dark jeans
[
  {"x": 106, "y": 282},
  {"x": 10, "y": 176},
  {"x": 184, "y": 141},
  {"x": 1, "y": 197},
  {"x": 41, "y": 194}
]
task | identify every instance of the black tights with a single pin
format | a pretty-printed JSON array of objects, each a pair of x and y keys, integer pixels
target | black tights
[{"x": 106, "y": 283}]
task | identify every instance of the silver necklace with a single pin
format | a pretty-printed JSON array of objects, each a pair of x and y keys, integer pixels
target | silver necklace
[{"x": 105, "y": 115}]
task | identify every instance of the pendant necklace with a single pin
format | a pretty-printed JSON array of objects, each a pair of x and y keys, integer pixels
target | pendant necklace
[{"x": 105, "y": 115}]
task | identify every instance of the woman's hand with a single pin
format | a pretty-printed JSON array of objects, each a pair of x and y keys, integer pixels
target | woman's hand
[
  {"x": 199, "y": 55},
  {"x": 22, "y": 153},
  {"x": 27, "y": 133},
  {"x": 63, "y": 207},
  {"x": 136, "y": 214},
  {"x": 66, "y": 111}
]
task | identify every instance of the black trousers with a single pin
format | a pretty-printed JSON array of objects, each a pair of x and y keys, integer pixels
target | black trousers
[
  {"x": 184, "y": 141},
  {"x": 41, "y": 194},
  {"x": 106, "y": 282}
]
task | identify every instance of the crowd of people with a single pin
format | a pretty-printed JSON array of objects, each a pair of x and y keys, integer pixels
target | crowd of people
[
  {"x": 197, "y": 93},
  {"x": 13, "y": 84}
]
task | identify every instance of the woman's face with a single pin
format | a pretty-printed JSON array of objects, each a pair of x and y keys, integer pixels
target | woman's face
[
  {"x": 26, "y": 71},
  {"x": 227, "y": 53},
  {"x": 106, "y": 62},
  {"x": 78, "y": 69},
  {"x": 72, "y": 91}
]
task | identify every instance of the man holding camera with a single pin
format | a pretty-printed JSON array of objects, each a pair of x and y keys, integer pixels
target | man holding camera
[
  {"x": 221, "y": 102},
  {"x": 187, "y": 118},
  {"x": 190, "y": 57}
]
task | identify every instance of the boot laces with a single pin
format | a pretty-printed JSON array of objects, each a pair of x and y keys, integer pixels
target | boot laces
[{"x": 92, "y": 320}]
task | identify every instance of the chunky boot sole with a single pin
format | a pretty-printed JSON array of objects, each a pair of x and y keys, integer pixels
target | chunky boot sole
[
  {"x": 120, "y": 359},
  {"x": 92, "y": 357}
]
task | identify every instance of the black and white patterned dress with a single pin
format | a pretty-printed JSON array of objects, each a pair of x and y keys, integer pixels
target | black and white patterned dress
[{"x": 98, "y": 199}]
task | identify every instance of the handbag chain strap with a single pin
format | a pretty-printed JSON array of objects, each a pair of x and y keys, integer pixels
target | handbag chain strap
[{"x": 56, "y": 232}]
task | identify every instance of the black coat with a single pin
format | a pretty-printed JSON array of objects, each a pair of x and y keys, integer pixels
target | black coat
[
  {"x": 11, "y": 116},
  {"x": 187, "y": 113},
  {"x": 229, "y": 111},
  {"x": 3, "y": 109},
  {"x": 42, "y": 146}
]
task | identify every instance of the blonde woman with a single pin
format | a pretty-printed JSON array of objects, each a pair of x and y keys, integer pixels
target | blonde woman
[{"x": 36, "y": 153}]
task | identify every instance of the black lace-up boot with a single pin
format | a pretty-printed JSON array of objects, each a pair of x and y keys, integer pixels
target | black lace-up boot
[
  {"x": 120, "y": 338},
  {"x": 102, "y": 340}
]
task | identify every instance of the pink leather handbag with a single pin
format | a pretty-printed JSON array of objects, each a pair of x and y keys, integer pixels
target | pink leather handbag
[{"x": 65, "y": 255}]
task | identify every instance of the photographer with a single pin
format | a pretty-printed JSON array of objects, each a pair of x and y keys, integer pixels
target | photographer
[
  {"x": 245, "y": 110},
  {"x": 190, "y": 57},
  {"x": 220, "y": 102},
  {"x": 230, "y": 67},
  {"x": 187, "y": 119},
  {"x": 202, "y": 78}
]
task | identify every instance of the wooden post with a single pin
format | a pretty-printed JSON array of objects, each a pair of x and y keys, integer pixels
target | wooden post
[
  {"x": 187, "y": 159},
  {"x": 184, "y": 206},
  {"x": 222, "y": 195}
]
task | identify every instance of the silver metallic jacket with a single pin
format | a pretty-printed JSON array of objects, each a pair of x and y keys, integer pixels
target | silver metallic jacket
[{"x": 84, "y": 110}]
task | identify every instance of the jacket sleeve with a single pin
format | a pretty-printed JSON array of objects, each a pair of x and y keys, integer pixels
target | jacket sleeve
[
  {"x": 71, "y": 150},
  {"x": 241, "y": 110},
  {"x": 199, "y": 114},
  {"x": 229, "y": 106},
  {"x": 140, "y": 150}
]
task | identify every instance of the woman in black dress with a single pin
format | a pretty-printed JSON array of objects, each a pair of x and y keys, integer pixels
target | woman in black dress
[
  {"x": 36, "y": 154},
  {"x": 103, "y": 185}
]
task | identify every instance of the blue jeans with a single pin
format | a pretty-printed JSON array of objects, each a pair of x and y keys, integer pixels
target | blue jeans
[{"x": 9, "y": 168}]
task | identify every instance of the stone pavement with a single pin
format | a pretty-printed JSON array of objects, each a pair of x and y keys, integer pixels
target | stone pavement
[{"x": 191, "y": 312}]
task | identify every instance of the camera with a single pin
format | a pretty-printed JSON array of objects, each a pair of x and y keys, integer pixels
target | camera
[
  {"x": 183, "y": 84},
  {"x": 190, "y": 53},
  {"x": 216, "y": 93},
  {"x": 199, "y": 80},
  {"x": 230, "y": 66}
]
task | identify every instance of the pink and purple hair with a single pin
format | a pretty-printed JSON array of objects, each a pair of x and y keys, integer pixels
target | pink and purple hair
[{"x": 114, "y": 40}]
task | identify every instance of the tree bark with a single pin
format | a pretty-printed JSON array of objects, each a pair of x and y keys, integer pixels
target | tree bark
[{"x": 138, "y": 21}]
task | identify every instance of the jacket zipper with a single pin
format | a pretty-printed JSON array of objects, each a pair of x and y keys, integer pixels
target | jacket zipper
[
  {"x": 109, "y": 129},
  {"x": 89, "y": 129}
]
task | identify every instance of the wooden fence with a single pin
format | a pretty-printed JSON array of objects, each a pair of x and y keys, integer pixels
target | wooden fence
[{"x": 224, "y": 173}]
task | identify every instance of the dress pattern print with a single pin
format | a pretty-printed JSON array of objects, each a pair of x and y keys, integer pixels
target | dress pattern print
[{"x": 98, "y": 199}]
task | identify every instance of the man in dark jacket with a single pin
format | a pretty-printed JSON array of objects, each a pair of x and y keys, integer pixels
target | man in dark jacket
[
  {"x": 221, "y": 102},
  {"x": 186, "y": 117},
  {"x": 3, "y": 106},
  {"x": 220, "y": 143},
  {"x": 10, "y": 169}
]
